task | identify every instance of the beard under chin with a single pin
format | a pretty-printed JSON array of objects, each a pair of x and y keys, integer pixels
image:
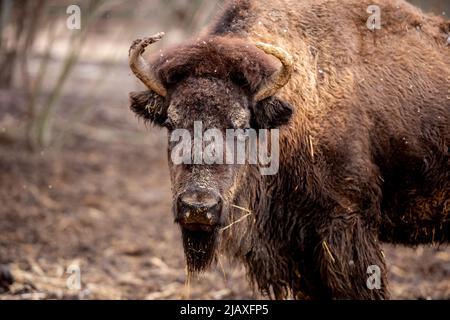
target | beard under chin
[{"x": 199, "y": 249}]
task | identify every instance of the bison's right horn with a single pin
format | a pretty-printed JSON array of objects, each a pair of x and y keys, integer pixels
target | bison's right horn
[
  {"x": 281, "y": 77},
  {"x": 141, "y": 68}
]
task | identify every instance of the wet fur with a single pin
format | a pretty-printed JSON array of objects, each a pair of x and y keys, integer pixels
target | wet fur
[{"x": 364, "y": 157}]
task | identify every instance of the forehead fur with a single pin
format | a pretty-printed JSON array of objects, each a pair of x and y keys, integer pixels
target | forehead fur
[{"x": 219, "y": 57}]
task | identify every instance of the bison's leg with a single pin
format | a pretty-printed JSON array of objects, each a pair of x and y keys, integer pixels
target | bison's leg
[{"x": 349, "y": 260}]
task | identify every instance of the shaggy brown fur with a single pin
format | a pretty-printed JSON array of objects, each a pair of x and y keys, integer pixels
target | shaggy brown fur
[{"x": 364, "y": 157}]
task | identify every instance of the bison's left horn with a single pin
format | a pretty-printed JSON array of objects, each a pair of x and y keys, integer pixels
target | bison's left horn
[
  {"x": 281, "y": 77},
  {"x": 141, "y": 68}
]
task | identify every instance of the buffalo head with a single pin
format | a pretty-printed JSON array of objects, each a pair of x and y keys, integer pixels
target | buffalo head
[{"x": 198, "y": 92}]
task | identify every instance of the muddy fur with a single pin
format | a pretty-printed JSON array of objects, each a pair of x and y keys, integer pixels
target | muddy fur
[{"x": 364, "y": 155}]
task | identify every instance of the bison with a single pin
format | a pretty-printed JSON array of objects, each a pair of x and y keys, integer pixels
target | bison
[{"x": 364, "y": 131}]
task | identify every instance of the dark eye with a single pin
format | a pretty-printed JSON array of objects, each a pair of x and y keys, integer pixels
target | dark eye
[
  {"x": 239, "y": 79},
  {"x": 168, "y": 124}
]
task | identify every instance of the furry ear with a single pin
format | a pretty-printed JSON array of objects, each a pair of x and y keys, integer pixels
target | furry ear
[
  {"x": 271, "y": 113},
  {"x": 149, "y": 105}
]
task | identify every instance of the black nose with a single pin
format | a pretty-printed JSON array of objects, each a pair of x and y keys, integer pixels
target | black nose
[{"x": 199, "y": 207}]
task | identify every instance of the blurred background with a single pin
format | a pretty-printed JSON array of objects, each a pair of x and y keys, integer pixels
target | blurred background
[{"x": 84, "y": 188}]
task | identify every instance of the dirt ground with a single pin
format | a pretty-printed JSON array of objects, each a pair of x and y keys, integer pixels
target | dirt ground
[{"x": 102, "y": 202}]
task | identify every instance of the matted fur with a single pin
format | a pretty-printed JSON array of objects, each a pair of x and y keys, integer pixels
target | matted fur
[
  {"x": 365, "y": 155},
  {"x": 218, "y": 57}
]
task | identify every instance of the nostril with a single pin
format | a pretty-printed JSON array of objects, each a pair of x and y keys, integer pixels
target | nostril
[{"x": 199, "y": 206}]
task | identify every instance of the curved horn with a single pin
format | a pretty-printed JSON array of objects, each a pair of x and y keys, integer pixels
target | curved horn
[
  {"x": 281, "y": 77},
  {"x": 141, "y": 68}
]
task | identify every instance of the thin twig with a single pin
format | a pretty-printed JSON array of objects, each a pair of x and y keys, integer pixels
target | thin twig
[
  {"x": 324, "y": 244},
  {"x": 242, "y": 208},
  {"x": 219, "y": 260},
  {"x": 187, "y": 284},
  {"x": 238, "y": 220},
  {"x": 311, "y": 146}
]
